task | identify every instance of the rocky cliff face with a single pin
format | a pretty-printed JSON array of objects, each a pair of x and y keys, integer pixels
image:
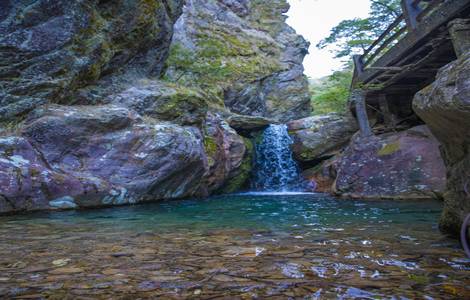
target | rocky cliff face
[
  {"x": 445, "y": 107},
  {"x": 50, "y": 49},
  {"x": 394, "y": 165},
  {"x": 89, "y": 116},
  {"x": 245, "y": 53}
]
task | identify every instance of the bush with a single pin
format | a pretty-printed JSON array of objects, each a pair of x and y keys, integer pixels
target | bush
[{"x": 331, "y": 93}]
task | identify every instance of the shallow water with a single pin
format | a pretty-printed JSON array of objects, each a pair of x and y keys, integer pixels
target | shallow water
[{"x": 238, "y": 247}]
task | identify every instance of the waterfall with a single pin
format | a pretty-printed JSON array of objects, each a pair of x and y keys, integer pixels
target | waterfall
[{"x": 275, "y": 170}]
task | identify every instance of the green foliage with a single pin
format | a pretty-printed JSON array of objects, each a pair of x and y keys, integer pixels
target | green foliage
[
  {"x": 331, "y": 93},
  {"x": 354, "y": 36}
]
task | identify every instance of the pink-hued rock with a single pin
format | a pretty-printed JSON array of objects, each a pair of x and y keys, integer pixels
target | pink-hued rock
[
  {"x": 27, "y": 182},
  {"x": 321, "y": 177},
  {"x": 95, "y": 156},
  {"x": 229, "y": 156},
  {"x": 405, "y": 165}
]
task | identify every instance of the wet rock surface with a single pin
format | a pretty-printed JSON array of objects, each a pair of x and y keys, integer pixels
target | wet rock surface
[
  {"x": 277, "y": 249},
  {"x": 322, "y": 177},
  {"x": 445, "y": 107},
  {"x": 248, "y": 124},
  {"x": 404, "y": 165}
]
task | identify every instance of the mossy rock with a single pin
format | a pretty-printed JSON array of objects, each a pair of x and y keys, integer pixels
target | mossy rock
[{"x": 389, "y": 149}]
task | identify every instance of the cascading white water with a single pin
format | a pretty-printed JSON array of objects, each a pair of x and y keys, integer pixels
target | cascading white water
[{"x": 275, "y": 170}]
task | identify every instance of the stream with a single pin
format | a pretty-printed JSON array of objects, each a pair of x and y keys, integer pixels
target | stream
[{"x": 246, "y": 246}]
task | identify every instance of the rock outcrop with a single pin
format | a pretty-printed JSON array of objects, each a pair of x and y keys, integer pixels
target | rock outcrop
[
  {"x": 96, "y": 109},
  {"x": 320, "y": 137},
  {"x": 95, "y": 156},
  {"x": 404, "y": 165},
  {"x": 50, "y": 49},
  {"x": 245, "y": 53},
  {"x": 229, "y": 157},
  {"x": 445, "y": 107}
]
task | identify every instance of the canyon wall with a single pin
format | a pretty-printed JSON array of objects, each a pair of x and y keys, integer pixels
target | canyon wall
[{"x": 100, "y": 105}]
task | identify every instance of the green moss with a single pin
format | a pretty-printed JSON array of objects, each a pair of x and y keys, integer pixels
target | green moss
[
  {"x": 420, "y": 279},
  {"x": 222, "y": 59},
  {"x": 210, "y": 145},
  {"x": 389, "y": 149},
  {"x": 236, "y": 183},
  {"x": 266, "y": 17}
]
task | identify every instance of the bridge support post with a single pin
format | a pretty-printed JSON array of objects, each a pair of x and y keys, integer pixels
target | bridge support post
[
  {"x": 411, "y": 12},
  {"x": 358, "y": 64},
  {"x": 460, "y": 34},
  {"x": 389, "y": 117},
  {"x": 358, "y": 97}
]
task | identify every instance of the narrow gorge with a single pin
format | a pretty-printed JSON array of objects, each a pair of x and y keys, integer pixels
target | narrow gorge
[{"x": 169, "y": 149}]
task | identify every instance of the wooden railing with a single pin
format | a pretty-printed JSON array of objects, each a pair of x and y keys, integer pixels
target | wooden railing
[{"x": 413, "y": 12}]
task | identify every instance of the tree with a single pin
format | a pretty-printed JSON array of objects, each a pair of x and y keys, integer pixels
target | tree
[
  {"x": 331, "y": 93},
  {"x": 354, "y": 36}
]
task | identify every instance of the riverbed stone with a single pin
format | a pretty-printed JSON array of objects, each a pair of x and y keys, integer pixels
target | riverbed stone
[
  {"x": 404, "y": 165},
  {"x": 63, "y": 203},
  {"x": 445, "y": 107}
]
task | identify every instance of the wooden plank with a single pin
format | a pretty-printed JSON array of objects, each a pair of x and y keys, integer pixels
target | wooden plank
[
  {"x": 384, "y": 45},
  {"x": 431, "y": 5},
  {"x": 432, "y": 55},
  {"x": 358, "y": 97},
  {"x": 384, "y": 34},
  {"x": 448, "y": 10},
  {"x": 411, "y": 11}
]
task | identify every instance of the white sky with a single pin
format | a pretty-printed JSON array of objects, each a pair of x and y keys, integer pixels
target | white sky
[{"x": 314, "y": 19}]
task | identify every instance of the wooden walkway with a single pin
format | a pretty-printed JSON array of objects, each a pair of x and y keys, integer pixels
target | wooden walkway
[{"x": 407, "y": 56}]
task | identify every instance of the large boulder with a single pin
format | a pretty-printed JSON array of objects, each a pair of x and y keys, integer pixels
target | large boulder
[
  {"x": 404, "y": 165},
  {"x": 445, "y": 107},
  {"x": 229, "y": 156},
  {"x": 86, "y": 156},
  {"x": 27, "y": 181},
  {"x": 51, "y": 48},
  {"x": 246, "y": 53},
  {"x": 320, "y": 137}
]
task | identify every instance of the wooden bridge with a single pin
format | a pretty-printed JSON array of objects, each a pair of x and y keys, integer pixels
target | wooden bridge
[{"x": 407, "y": 56}]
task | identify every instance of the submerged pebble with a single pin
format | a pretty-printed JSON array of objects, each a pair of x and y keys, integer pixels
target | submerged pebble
[{"x": 168, "y": 251}]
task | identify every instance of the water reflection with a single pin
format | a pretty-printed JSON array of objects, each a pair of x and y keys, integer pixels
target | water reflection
[{"x": 237, "y": 246}]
